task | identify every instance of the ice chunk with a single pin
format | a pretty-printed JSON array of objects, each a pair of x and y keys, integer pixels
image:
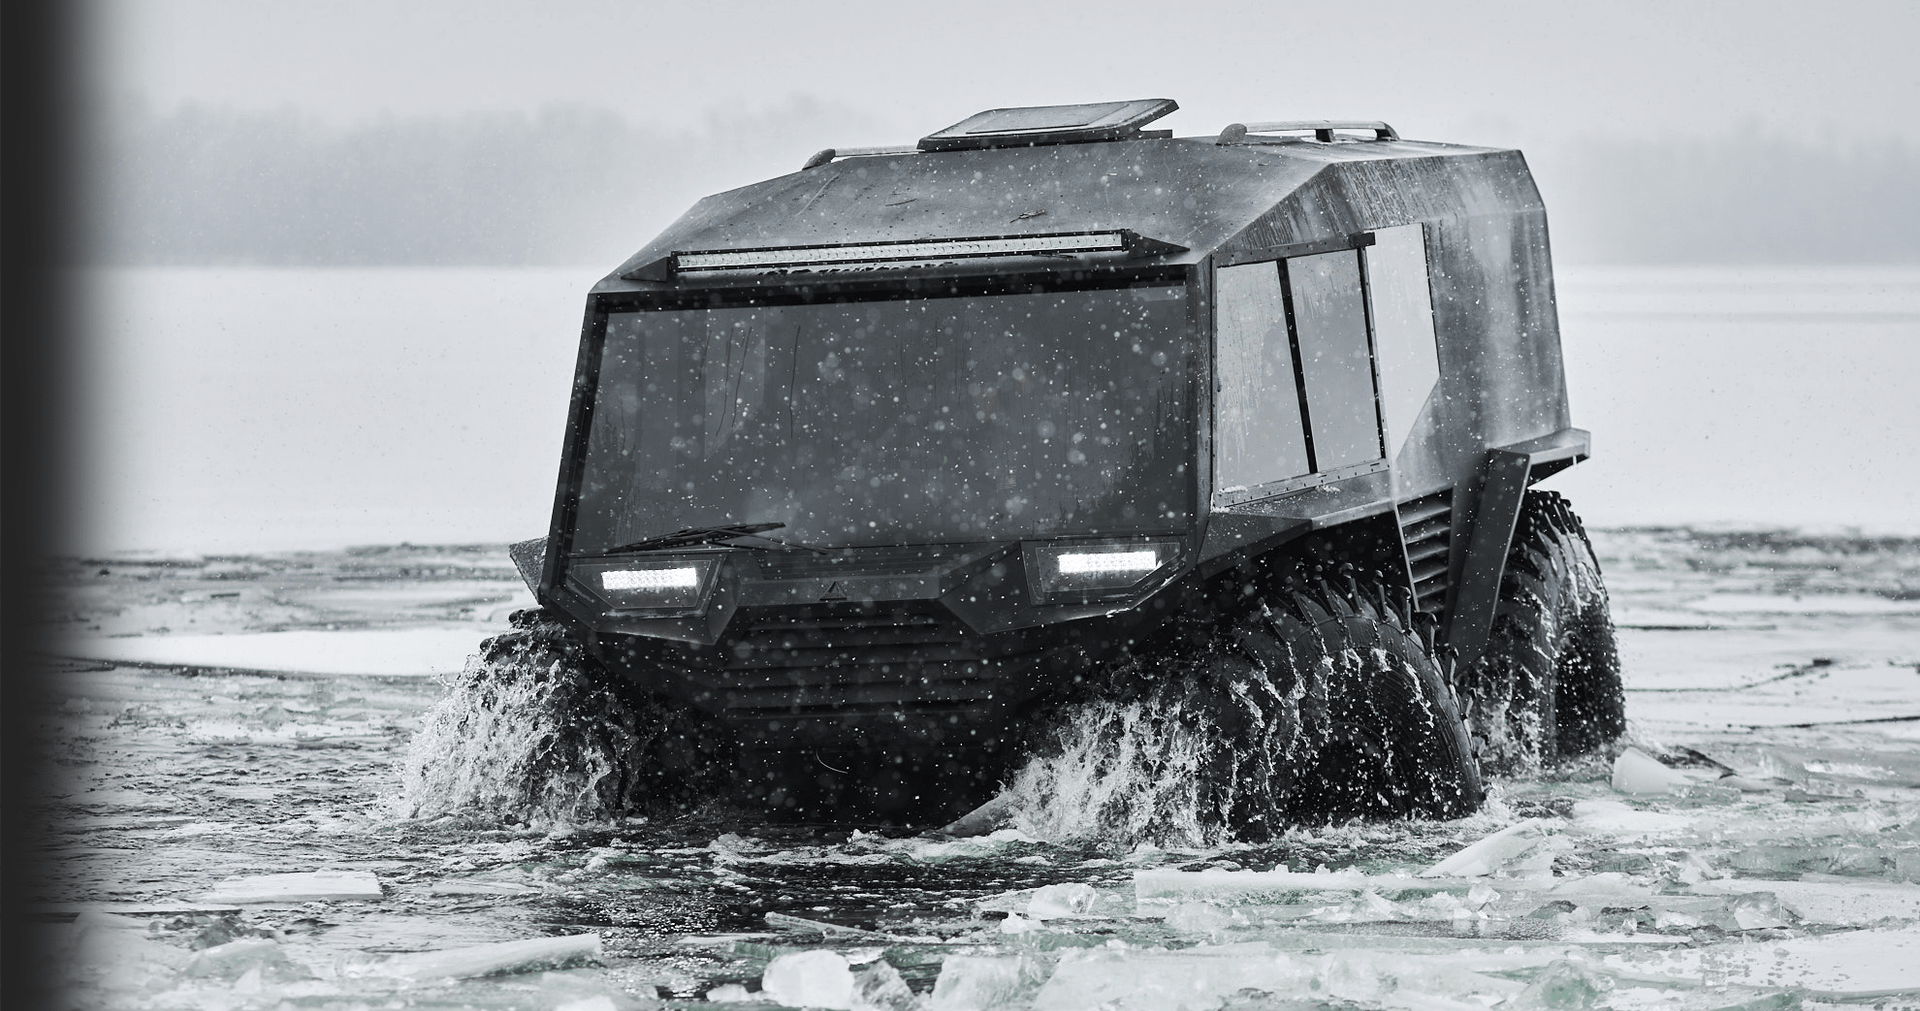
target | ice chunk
[
  {"x": 977, "y": 983},
  {"x": 1850, "y": 964},
  {"x": 981, "y": 820},
  {"x": 1636, "y": 772},
  {"x": 411, "y": 652},
  {"x": 1162, "y": 889},
  {"x": 490, "y": 959},
  {"x": 116, "y": 949},
  {"x": 315, "y": 886},
  {"x": 235, "y": 958},
  {"x": 1208, "y": 976},
  {"x": 1202, "y": 918},
  {"x": 816, "y": 978},
  {"x": 730, "y": 993},
  {"x": 1621, "y": 820},
  {"x": 1016, "y": 924},
  {"x": 1851, "y": 902},
  {"x": 1519, "y": 850},
  {"x": 785, "y": 921},
  {"x": 1759, "y": 910},
  {"x": 1564, "y": 986},
  {"x": 1073, "y": 899},
  {"x": 598, "y": 1002},
  {"x": 471, "y": 887},
  {"x": 879, "y": 987}
]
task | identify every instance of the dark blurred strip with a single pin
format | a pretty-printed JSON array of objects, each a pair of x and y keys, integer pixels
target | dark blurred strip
[{"x": 38, "y": 74}]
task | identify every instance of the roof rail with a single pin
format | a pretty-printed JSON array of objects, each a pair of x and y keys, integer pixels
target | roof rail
[
  {"x": 822, "y": 157},
  {"x": 1322, "y": 129}
]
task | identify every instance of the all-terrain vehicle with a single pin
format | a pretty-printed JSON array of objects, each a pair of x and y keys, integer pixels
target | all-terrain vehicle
[{"x": 871, "y": 466}]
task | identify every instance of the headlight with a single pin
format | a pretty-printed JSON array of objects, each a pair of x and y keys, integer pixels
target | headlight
[
  {"x": 676, "y": 585},
  {"x": 1095, "y": 571}
]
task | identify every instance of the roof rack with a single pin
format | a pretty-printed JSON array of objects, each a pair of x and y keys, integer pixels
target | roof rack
[{"x": 1322, "y": 129}]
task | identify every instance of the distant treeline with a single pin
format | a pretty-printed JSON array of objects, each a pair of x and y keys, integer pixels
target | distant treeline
[
  {"x": 215, "y": 186},
  {"x": 565, "y": 186}
]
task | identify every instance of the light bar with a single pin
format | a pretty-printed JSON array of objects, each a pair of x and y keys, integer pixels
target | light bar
[
  {"x": 1085, "y": 562},
  {"x": 684, "y": 578},
  {"x": 879, "y": 252}
]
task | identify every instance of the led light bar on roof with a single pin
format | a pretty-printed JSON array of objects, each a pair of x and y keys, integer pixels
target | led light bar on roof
[{"x": 930, "y": 249}]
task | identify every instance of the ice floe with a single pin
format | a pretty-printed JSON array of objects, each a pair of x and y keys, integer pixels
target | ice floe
[
  {"x": 311, "y": 886},
  {"x": 407, "y": 652}
]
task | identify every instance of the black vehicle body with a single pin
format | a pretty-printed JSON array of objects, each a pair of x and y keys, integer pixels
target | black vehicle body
[{"x": 1313, "y": 338}]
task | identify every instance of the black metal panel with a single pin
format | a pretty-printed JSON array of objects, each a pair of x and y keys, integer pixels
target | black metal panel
[
  {"x": 1189, "y": 192},
  {"x": 964, "y": 641}
]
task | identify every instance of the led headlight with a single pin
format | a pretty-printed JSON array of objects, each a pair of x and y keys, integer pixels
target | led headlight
[
  {"x": 1094, "y": 570},
  {"x": 661, "y": 585}
]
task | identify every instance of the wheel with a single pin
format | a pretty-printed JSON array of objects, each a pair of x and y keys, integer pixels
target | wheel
[
  {"x": 1381, "y": 735},
  {"x": 535, "y": 730},
  {"x": 1548, "y": 685},
  {"x": 1319, "y": 708}
]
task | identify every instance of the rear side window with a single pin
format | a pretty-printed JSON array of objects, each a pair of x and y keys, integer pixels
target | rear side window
[{"x": 1296, "y": 400}]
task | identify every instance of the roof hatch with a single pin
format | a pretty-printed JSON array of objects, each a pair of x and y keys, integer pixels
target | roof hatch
[{"x": 1049, "y": 124}]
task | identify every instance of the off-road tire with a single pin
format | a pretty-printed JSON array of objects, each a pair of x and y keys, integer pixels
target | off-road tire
[
  {"x": 1548, "y": 686},
  {"x": 535, "y": 729},
  {"x": 1327, "y": 707},
  {"x": 1380, "y": 733}
]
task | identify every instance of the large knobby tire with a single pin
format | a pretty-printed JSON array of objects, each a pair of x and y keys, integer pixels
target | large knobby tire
[
  {"x": 1380, "y": 733},
  {"x": 535, "y": 730},
  {"x": 1548, "y": 686},
  {"x": 1318, "y": 707}
]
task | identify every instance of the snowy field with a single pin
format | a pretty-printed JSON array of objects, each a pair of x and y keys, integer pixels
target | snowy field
[{"x": 227, "y": 728}]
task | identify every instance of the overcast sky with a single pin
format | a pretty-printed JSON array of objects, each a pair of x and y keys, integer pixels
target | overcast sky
[{"x": 1497, "y": 73}]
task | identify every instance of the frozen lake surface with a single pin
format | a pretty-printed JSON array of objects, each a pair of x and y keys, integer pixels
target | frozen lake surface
[
  {"x": 255, "y": 410},
  {"x": 227, "y": 838}
]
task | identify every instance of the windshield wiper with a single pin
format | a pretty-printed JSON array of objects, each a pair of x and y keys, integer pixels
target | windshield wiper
[{"x": 689, "y": 536}]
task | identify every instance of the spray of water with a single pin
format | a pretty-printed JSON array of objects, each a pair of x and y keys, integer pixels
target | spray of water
[
  {"x": 1190, "y": 756},
  {"x": 1322, "y": 710},
  {"x": 1122, "y": 773},
  {"x": 532, "y": 731}
]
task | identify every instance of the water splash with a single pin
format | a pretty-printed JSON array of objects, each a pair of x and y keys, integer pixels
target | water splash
[
  {"x": 533, "y": 731},
  {"x": 1121, "y": 773},
  {"x": 1319, "y": 712}
]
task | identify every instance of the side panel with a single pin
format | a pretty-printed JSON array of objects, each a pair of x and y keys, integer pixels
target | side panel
[{"x": 1491, "y": 296}]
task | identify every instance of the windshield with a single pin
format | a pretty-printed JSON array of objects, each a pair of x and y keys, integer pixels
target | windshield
[{"x": 926, "y": 420}]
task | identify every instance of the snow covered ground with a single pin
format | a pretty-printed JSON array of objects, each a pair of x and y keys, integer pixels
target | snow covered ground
[{"x": 226, "y": 835}]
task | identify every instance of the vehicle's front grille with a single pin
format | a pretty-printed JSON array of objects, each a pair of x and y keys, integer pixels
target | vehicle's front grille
[
  {"x": 883, "y": 561},
  {"x": 847, "y": 663},
  {"x": 1426, "y": 527}
]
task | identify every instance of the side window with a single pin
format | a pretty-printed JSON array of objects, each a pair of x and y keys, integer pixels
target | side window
[
  {"x": 1336, "y": 363},
  {"x": 1257, "y": 433},
  {"x": 1402, "y": 327},
  {"x": 1295, "y": 393}
]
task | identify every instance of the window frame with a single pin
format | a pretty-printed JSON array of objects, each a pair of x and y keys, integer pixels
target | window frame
[{"x": 1315, "y": 477}]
